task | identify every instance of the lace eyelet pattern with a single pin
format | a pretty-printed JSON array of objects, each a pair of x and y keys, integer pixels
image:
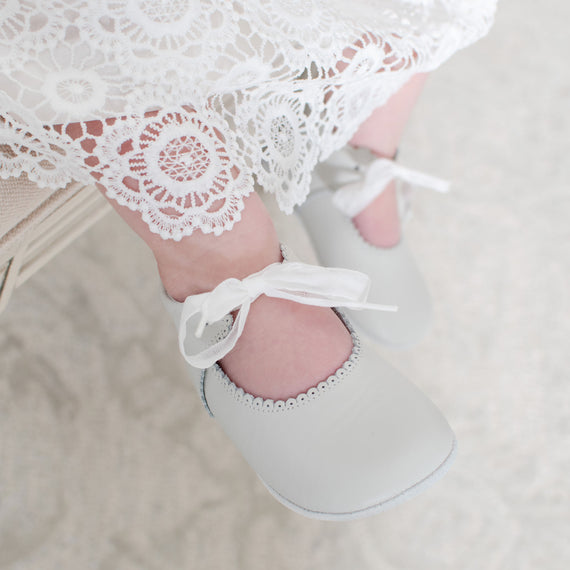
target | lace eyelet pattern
[{"x": 280, "y": 86}]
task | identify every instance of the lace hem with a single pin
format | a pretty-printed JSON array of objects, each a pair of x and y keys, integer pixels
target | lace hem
[{"x": 181, "y": 104}]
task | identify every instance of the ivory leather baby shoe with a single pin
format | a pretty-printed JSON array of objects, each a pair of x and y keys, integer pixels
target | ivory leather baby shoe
[
  {"x": 358, "y": 442},
  {"x": 342, "y": 187}
]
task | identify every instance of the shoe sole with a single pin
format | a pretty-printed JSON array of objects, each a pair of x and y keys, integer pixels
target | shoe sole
[{"x": 409, "y": 493}]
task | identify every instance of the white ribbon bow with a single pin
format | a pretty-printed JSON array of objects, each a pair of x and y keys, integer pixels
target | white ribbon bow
[
  {"x": 306, "y": 284},
  {"x": 354, "y": 197}
]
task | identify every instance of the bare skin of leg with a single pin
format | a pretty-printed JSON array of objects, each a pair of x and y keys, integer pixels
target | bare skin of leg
[
  {"x": 379, "y": 223},
  {"x": 285, "y": 348}
]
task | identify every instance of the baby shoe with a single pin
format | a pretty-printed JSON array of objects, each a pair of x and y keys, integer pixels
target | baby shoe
[
  {"x": 362, "y": 440},
  {"x": 342, "y": 187}
]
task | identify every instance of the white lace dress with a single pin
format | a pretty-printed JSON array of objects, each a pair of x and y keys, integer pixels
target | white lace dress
[{"x": 184, "y": 103}]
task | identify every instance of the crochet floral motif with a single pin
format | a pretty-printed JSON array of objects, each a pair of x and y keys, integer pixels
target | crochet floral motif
[
  {"x": 182, "y": 102},
  {"x": 179, "y": 168}
]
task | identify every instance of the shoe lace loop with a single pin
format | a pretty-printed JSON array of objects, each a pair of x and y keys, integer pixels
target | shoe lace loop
[
  {"x": 354, "y": 197},
  {"x": 294, "y": 281}
]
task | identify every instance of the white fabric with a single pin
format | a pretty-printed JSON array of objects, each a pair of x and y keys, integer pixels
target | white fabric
[
  {"x": 352, "y": 198},
  {"x": 189, "y": 100},
  {"x": 295, "y": 281}
]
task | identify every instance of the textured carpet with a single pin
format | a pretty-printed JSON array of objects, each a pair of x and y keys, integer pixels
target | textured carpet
[{"x": 108, "y": 461}]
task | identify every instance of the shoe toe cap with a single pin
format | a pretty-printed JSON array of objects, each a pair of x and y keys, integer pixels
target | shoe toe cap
[{"x": 357, "y": 447}]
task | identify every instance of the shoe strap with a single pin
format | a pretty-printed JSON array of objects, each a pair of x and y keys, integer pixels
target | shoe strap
[
  {"x": 354, "y": 197},
  {"x": 294, "y": 281}
]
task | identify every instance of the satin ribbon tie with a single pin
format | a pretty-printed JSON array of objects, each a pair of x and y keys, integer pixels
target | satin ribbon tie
[
  {"x": 352, "y": 198},
  {"x": 306, "y": 284}
]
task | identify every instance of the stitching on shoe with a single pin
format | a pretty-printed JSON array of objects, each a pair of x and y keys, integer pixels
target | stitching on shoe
[
  {"x": 267, "y": 405},
  {"x": 260, "y": 404}
]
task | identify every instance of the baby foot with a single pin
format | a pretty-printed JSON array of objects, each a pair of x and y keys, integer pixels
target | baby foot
[
  {"x": 379, "y": 222},
  {"x": 287, "y": 348}
]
